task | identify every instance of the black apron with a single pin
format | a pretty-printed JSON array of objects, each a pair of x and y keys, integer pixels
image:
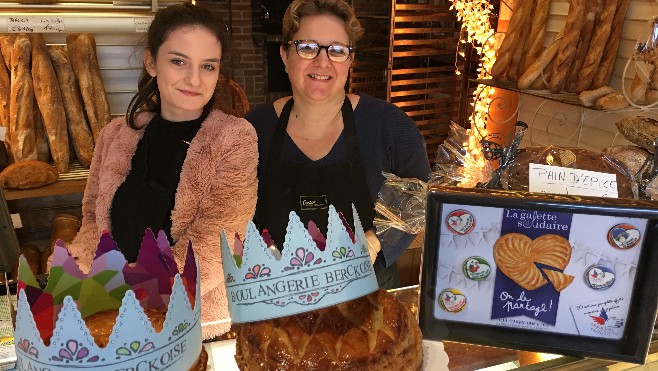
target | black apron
[
  {"x": 145, "y": 202},
  {"x": 309, "y": 189}
]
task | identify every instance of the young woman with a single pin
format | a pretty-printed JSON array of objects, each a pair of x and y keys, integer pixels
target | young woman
[
  {"x": 172, "y": 163},
  {"x": 322, "y": 146}
]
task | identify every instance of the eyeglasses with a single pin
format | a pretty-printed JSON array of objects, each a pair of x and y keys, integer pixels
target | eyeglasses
[{"x": 310, "y": 50}]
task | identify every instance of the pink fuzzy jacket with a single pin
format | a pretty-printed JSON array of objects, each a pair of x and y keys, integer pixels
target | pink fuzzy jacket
[{"x": 217, "y": 190}]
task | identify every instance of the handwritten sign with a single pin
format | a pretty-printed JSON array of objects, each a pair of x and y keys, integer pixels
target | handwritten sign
[
  {"x": 36, "y": 24},
  {"x": 567, "y": 181},
  {"x": 143, "y": 24}
]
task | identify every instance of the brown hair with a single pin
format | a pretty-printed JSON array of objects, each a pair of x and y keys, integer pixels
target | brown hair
[
  {"x": 299, "y": 9},
  {"x": 167, "y": 20}
]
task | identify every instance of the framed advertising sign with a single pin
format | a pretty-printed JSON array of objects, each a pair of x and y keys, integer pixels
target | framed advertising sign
[{"x": 557, "y": 274}]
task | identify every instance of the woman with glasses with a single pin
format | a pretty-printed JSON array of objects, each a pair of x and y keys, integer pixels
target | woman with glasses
[{"x": 324, "y": 147}]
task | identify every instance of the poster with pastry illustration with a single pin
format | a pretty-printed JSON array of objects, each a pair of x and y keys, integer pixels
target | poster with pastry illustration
[
  {"x": 538, "y": 270},
  {"x": 561, "y": 274}
]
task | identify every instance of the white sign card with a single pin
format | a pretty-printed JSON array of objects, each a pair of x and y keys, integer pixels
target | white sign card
[
  {"x": 36, "y": 24},
  {"x": 143, "y": 24},
  {"x": 568, "y": 181}
]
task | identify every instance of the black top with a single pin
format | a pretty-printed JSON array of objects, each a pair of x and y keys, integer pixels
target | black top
[
  {"x": 146, "y": 198},
  {"x": 388, "y": 140}
]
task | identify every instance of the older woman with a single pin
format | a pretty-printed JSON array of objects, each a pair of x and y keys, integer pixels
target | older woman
[{"x": 322, "y": 146}]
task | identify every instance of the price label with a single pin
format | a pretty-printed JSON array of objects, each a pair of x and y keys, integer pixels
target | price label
[
  {"x": 16, "y": 220},
  {"x": 143, "y": 24},
  {"x": 36, "y": 24},
  {"x": 568, "y": 181}
]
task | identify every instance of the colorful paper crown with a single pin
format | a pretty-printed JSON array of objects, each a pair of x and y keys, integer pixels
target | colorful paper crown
[
  {"x": 55, "y": 315},
  {"x": 311, "y": 272}
]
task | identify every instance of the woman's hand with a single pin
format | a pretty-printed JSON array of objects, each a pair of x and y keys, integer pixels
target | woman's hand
[{"x": 374, "y": 246}]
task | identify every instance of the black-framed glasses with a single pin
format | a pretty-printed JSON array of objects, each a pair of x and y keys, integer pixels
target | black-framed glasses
[{"x": 308, "y": 49}]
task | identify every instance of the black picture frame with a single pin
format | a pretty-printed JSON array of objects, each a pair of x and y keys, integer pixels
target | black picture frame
[{"x": 633, "y": 344}]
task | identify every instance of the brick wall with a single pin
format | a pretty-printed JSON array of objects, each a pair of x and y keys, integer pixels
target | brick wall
[{"x": 247, "y": 61}]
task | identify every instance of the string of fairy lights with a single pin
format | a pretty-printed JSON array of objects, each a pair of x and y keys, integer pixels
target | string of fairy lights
[{"x": 476, "y": 30}]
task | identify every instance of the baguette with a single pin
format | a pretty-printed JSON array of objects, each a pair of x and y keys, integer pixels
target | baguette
[
  {"x": 602, "y": 75},
  {"x": 612, "y": 101},
  {"x": 589, "y": 97},
  {"x": 40, "y": 136},
  {"x": 6, "y": 46},
  {"x": 597, "y": 44},
  {"x": 22, "y": 140},
  {"x": 518, "y": 56},
  {"x": 511, "y": 40},
  {"x": 49, "y": 98},
  {"x": 82, "y": 56},
  {"x": 5, "y": 91},
  {"x": 81, "y": 137},
  {"x": 593, "y": 12},
  {"x": 565, "y": 55},
  {"x": 534, "y": 71},
  {"x": 537, "y": 33}
]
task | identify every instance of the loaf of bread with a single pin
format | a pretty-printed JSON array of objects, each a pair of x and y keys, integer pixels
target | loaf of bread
[
  {"x": 589, "y": 97},
  {"x": 537, "y": 33},
  {"x": 5, "y": 92},
  {"x": 610, "y": 48},
  {"x": 82, "y": 56},
  {"x": 534, "y": 71},
  {"x": 592, "y": 13},
  {"x": 633, "y": 157},
  {"x": 515, "y": 68},
  {"x": 612, "y": 101},
  {"x": 511, "y": 41},
  {"x": 639, "y": 130},
  {"x": 40, "y": 136},
  {"x": 22, "y": 140},
  {"x": 518, "y": 174},
  {"x": 597, "y": 44},
  {"x": 49, "y": 98},
  {"x": 567, "y": 51},
  {"x": 81, "y": 137},
  {"x": 6, "y": 46},
  {"x": 28, "y": 174}
]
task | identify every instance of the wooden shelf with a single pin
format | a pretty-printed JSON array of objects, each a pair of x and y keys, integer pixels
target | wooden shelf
[
  {"x": 567, "y": 98},
  {"x": 61, "y": 187},
  {"x": 72, "y": 182}
]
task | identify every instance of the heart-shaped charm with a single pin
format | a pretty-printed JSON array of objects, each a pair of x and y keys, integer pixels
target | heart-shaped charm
[
  {"x": 452, "y": 300},
  {"x": 460, "y": 222},
  {"x": 599, "y": 277}
]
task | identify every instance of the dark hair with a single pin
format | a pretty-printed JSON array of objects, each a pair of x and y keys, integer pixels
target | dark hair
[
  {"x": 304, "y": 8},
  {"x": 167, "y": 20}
]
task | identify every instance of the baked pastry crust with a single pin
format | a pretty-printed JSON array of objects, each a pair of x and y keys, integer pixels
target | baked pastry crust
[
  {"x": 374, "y": 332},
  {"x": 100, "y": 327}
]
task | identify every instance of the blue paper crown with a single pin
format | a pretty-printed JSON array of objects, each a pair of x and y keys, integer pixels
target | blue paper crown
[{"x": 304, "y": 278}]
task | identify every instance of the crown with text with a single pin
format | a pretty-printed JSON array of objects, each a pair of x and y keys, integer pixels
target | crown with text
[
  {"x": 50, "y": 330},
  {"x": 310, "y": 273}
]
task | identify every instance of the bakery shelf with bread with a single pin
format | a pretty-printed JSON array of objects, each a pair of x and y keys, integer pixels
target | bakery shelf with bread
[
  {"x": 585, "y": 49},
  {"x": 84, "y": 79}
]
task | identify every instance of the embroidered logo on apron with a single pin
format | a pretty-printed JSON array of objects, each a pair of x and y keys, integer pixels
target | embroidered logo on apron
[{"x": 313, "y": 202}]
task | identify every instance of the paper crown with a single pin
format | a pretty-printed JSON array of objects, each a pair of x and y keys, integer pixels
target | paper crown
[
  {"x": 311, "y": 272},
  {"x": 55, "y": 315}
]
